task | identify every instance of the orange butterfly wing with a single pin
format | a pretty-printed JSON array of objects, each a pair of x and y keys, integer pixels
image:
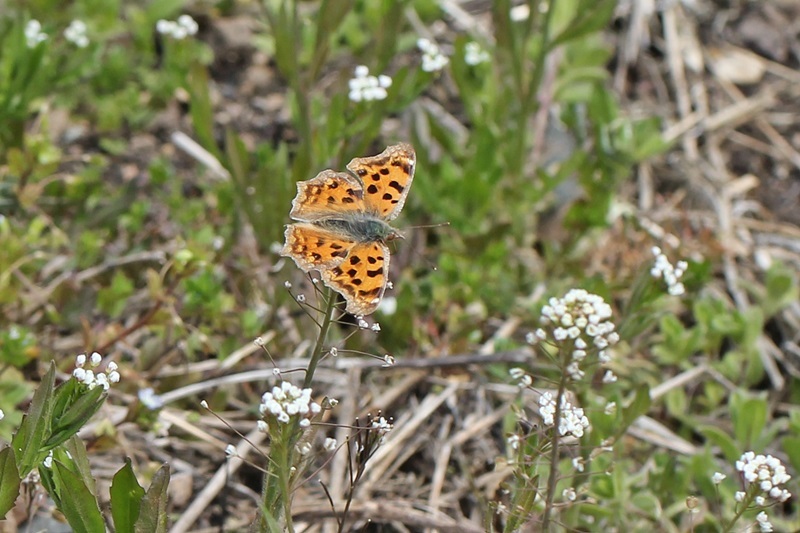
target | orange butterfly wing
[{"x": 386, "y": 179}]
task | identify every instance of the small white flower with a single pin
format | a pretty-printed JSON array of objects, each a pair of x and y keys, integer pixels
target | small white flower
[
  {"x": 2, "y": 414},
  {"x": 578, "y": 464},
  {"x": 230, "y": 450},
  {"x": 188, "y": 23},
  {"x": 178, "y": 30},
  {"x": 301, "y": 298},
  {"x": 513, "y": 441},
  {"x": 388, "y": 305},
  {"x": 662, "y": 268},
  {"x": 48, "y": 461},
  {"x": 364, "y": 87},
  {"x": 474, "y": 54},
  {"x": 375, "y": 327},
  {"x": 388, "y": 361},
  {"x": 262, "y": 426},
  {"x": 609, "y": 377},
  {"x": 76, "y": 34},
  {"x": 96, "y": 359},
  {"x": 610, "y": 408},
  {"x": 33, "y": 33},
  {"x": 204, "y": 404},
  {"x": 330, "y": 444},
  {"x": 717, "y": 478},
  {"x": 569, "y": 494},
  {"x": 304, "y": 448},
  {"x": 150, "y": 399},
  {"x": 433, "y": 60},
  {"x": 286, "y": 401},
  {"x": 763, "y": 522}
]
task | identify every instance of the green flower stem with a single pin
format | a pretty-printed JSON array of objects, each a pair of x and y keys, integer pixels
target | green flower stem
[
  {"x": 277, "y": 498},
  {"x": 743, "y": 506},
  {"x": 552, "y": 479},
  {"x": 277, "y": 487},
  {"x": 319, "y": 347}
]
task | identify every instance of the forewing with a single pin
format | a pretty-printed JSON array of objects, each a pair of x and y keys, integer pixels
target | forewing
[
  {"x": 327, "y": 194},
  {"x": 315, "y": 248},
  {"x": 361, "y": 278},
  {"x": 386, "y": 179}
]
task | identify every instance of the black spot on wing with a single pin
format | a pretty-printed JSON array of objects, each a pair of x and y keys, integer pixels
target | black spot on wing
[
  {"x": 396, "y": 186},
  {"x": 374, "y": 273},
  {"x": 372, "y": 189}
]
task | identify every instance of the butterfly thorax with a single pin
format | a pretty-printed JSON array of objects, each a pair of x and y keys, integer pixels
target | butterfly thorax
[{"x": 361, "y": 228}]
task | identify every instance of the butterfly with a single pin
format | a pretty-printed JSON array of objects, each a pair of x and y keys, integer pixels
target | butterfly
[{"x": 343, "y": 224}]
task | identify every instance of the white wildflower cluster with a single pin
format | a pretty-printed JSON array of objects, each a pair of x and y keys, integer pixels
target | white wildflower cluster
[
  {"x": 33, "y": 33},
  {"x": 581, "y": 318},
  {"x": 150, "y": 399},
  {"x": 474, "y": 54},
  {"x": 522, "y": 378},
  {"x": 763, "y": 522},
  {"x": 572, "y": 420},
  {"x": 177, "y": 29},
  {"x": 92, "y": 379},
  {"x": 76, "y": 34},
  {"x": 365, "y": 88},
  {"x": 671, "y": 274},
  {"x": 763, "y": 474},
  {"x": 382, "y": 426},
  {"x": 433, "y": 60},
  {"x": 286, "y": 401}
]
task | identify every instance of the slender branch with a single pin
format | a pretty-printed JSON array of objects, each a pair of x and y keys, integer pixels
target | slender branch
[
  {"x": 553, "y": 476},
  {"x": 319, "y": 347}
]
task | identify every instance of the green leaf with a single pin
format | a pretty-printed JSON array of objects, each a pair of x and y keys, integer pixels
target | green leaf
[
  {"x": 76, "y": 415},
  {"x": 202, "y": 110},
  {"x": 35, "y": 428},
  {"x": 588, "y": 21},
  {"x": 781, "y": 288},
  {"x": 9, "y": 481},
  {"x": 79, "y": 460},
  {"x": 76, "y": 500},
  {"x": 639, "y": 406},
  {"x": 126, "y": 498},
  {"x": 749, "y": 417},
  {"x": 716, "y": 436},
  {"x": 790, "y": 446},
  {"x": 153, "y": 514}
]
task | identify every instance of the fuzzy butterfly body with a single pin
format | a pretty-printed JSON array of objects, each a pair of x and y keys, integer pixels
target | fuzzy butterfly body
[{"x": 342, "y": 224}]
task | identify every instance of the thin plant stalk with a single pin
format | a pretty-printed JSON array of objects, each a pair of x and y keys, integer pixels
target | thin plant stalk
[
  {"x": 552, "y": 479},
  {"x": 319, "y": 346},
  {"x": 277, "y": 482}
]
